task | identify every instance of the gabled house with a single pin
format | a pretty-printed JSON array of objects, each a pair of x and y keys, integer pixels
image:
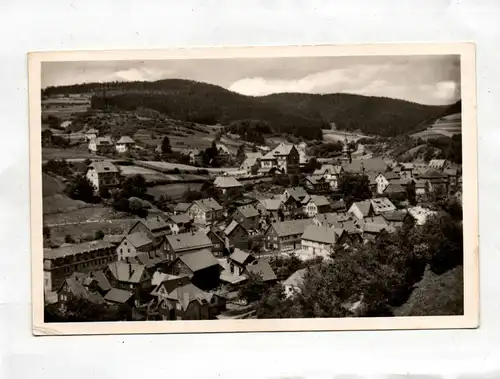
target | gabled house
[
  {"x": 91, "y": 134},
  {"x": 218, "y": 241},
  {"x": 397, "y": 218},
  {"x": 154, "y": 227},
  {"x": 263, "y": 269},
  {"x": 361, "y": 209},
  {"x": 201, "y": 267},
  {"x": 438, "y": 164},
  {"x": 187, "y": 243},
  {"x": 247, "y": 215},
  {"x": 330, "y": 173},
  {"x": 286, "y": 235},
  {"x": 293, "y": 284},
  {"x": 238, "y": 261},
  {"x": 117, "y": 296},
  {"x": 103, "y": 174},
  {"x": 124, "y": 144},
  {"x": 384, "y": 179},
  {"x": 101, "y": 145},
  {"x": 271, "y": 209},
  {"x": 438, "y": 181},
  {"x": 181, "y": 208},
  {"x": 297, "y": 193},
  {"x": 132, "y": 244},
  {"x": 205, "y": 211},
  {"x": 128, "y": 276},
  {"x": 381, "y": 205},
  {"x": 316, "y": 204},
  {"x": 318, "y": 241},
  {"x": 373, "y": 231},
  {"x": 284, "y": 157},
  {"x": 78, "y": 286},
  {"x": 395, "y": 191},
  {"x": 316, "y": 183},
  {"x": 228, "y": 185},
  {"x": 251, "y": 160},
  {"x": 236, "y": 235}
]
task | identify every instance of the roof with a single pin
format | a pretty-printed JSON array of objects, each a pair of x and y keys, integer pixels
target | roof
[
  {"x": 187, "y": 293},
  {"x": 222, "y": 147},
  {"x": 394, "y": 188},
  {"x": 328, "y": 168},
  {"x": 154, "y": 223},
  {"x": 407, "y": 166},
  {"x": 208, "y": 204},
  {"x": 370, "y": 227},
  {"x": 371, "y": 164},
  {"x": 291, "y": 227},
  {"x": 296, "y": 279},
  {"x": 199, "y": 260},
  {"x": 230, "y": 228},
  {"x": 239, "y": 256},
  {"x": 337, "y": 205},
  {"x": 181, "y": 207},
  {"x": 319, "y": 200},
  {"x": 398, "y": 215},
  {"x": 248, "y": 211},
  {"x": 181, "y": 218},
  {"x": 263, "y": 269},
  {"x": 320, "y": 234},
  {"x": 102, "y": 280},
  {"x": 376, "y": 219},
  {"x": 437, "y": 162},
  {"x": 116, "y": 295},
  {"x": 432, "y": 173},
  {"x": 113, "y": 238},
  {"x": 280, "y": 150},
  {"x": 189, "y": 241},
  {"x": 332, "y": 218},
  {"x": 150, "y": 259},
  {"x": 371, "y": 176},
  {"x": 125, "y": 140},
  {"x": 228, "y": 277},
  {"x": 271, "y": 204},
  {"x": 160, "y": 277},
  {"x": 297, "y": 193},
  {"x": 77, "y": 287},
  {"x": 103, "y": 167},
  {"x": 92, "y": 131},
  {"x": 363, "y": 206},
  {"x": 103, "y": 141},
  {"x": 127, "y": 272},
  {"x": 382, "y": 204},
  {"x": 138, "y": 239},
  {"x": 451, "y": 171},
  {"x": 226, "y": 182},
  {"x": 75, "y": 249},
  {"x": 390, "y": 175}
]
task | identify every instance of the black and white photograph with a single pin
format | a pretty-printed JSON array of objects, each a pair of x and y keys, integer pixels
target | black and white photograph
[{"x": 254, "y": 189}]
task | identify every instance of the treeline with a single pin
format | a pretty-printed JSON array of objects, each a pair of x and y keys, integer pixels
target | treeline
[
  {"x": 301, "y": 115},
  {"x": 250, "y": 130}
]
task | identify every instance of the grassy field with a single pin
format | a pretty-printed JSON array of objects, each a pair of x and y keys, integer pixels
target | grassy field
[
  {"x": 149, "y": 175},
  {"x": 172, "y": 166},
  {"x": 174, "y": 191},
  {"x": 65, "y": 112},
  {"x": 338, "y": 135},
  {"x": 78, "y": 152}
]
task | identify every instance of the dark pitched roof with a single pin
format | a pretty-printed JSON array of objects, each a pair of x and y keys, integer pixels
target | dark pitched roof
[
  {"x": 208, "y": 204},
  {"x": 116, "y": 295},
  {"x": 154, "y": 223},
  {"x": 319, "y": 234},
  {"x": 127, "y": 272},
  {"x": 271, "y": 204},
  {"x": 291, "y": 227},
  {"x": 248, "y": 211},
  {"x": 319, "y": 200},
  {"x": 398, "y": 215},
  {"x": 180, "y": 219},
  {"x": 138, "y": 239},
  {"x": 391, "y": 175},
  {"x": 102, "y": 280},
  {"x": 263, "y": 269},
  {"x": 363, "y": 206},
  {"x": 199, "y": 260},
  {"x": 181, "y": 207},
  {"x": 226, "y": 182},
  {"x": 75, "y": 249},
  {"x": 188, "y": 241},
  {"x": 394, "y": 188},
  {"x": 239, "y": 256},
  {"x": 298, "y": 193}
]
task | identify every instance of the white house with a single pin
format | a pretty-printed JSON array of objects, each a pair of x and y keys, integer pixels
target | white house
[
  {"x": 331, "y": 173},
  {"x": 124, "y": 144},
  {"x": 103, "y": 174},
  {"x": 65, "y": 124},
  {"x": 318, "y": 241},
  {"x": 361, "y": 209},
  {"x": 101, "y": 145},
  {"x": 91, "y": 134},
  {"x": 384, "y": 179},
  {"x": 316, "y": 204}
]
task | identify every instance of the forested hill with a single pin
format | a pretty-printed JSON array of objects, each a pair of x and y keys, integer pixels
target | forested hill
[{"x": 303, "y": 115}]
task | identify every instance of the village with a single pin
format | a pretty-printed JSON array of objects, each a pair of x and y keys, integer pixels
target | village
[{"x": 201, "y": 258}]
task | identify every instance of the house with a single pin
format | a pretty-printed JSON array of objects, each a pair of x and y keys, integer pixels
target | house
[
  {"x": 361, "y": 209},
  {"x": 286, "y": 235},
  {"x": 336, "y": 220},
  {"x": 331, "y": 173},
  {"x": 293, "y": 284},
  {"x": 438, "y": 164},
  {"x": 91, "y": 134},
  {"x": 66, "y": 124},
  {"x": 284, "y": 157},
  {"x": 263, "y": 269},
  {"x": 294, "y": 199},
  {"x": 453, "y": 175},
  {"x": 251, "y": 160},
  {"x": 187, "y": 243},
  {"x": 78, "y": 286},
  {"x": 181, "y": 208},
  {"x": 228, "y": 185},
  {"x": 316, "y": 204},
  {"x": 247, "y": 215},
  {"x": 193, "y": 155},
  {"x": 297, "y": 193},
  {"x": 397, "y": 218},
  {"x": 115, "y": 239},
  {"x": 372, "y": 231},
  {"x": 154, "y": 227},
  {"x": 61, "y": 263},
  {"x": 127, "y": 276},
  {"x": 222, "y": 149},
  {"x": 395, "y": 191},
  {"x": 318, "y": 241},
  {"x": 179, "y": 223},
  {"x": 438, "y": 181},
  {"x": 384, "y": 179},
  {"x": 237, "y": 236},
  {"x": 316, "y": 183},
  {"x": 218, "y": 241},
  {"x": 271, "y": 209},
  {"x": 238, "y": 261},
  {"x": 124, "y": 144},
  {"x": 101, "y": 145},
  {"x": 381, "y": 205},
  {"x": 421, "y": 187},
  {"x": 132, "y": 244},
  {"x": 188, "y": 302},
  {"x": 117, "y": 296},
  {"x": 103, "y": 174},
  {"x": 372, "y": 180},
  {"x": 205, "y": 211},
  {"x": 363, "y": 166},
  {"x": 201, "y": 267}
]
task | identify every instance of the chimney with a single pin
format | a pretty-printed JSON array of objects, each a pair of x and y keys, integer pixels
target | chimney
[{"x": 130, "y": 271}]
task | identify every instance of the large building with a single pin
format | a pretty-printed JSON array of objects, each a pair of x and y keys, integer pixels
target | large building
[
  {"x": 284, "y": 157},
  {"x": 103, "y": 174},
  {"x": 61, "y": 263}
]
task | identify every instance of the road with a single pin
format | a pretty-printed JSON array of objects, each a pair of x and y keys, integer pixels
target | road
[{"x": 92, "y": 222}]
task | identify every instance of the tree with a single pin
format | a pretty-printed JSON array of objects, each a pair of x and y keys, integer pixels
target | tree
[
  {"x": 99, "y": 235},
  {"x": 254, "y": 148},
  {"x": 240, "y": 155},
  {"x": 255, "y": 169},
  {"x": 165, "y": 146},
  {"x": 253, "y": 289},
  {"x": 312, "y": 165},
  {"x": 81, "y": 189},
  {"x": 411, "y": 192},
  {"x": 134, "y": 186},
  {"x": 136, "y": 206},
  {"x": 354, "y": 187},
  {"x": 68, "y": 239},
  {"x": 104, "y": 193},
  {"x": 46, "y": 232}
]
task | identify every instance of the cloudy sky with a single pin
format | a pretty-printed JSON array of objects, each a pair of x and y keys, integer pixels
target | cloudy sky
[{"x": 423, "y": 79}]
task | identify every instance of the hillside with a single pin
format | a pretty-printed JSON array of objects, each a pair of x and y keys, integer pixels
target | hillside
[{"x": 302, "y": 115}]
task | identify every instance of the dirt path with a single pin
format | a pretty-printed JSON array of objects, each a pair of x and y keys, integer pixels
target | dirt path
[{"x": 92, "y": 222}]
